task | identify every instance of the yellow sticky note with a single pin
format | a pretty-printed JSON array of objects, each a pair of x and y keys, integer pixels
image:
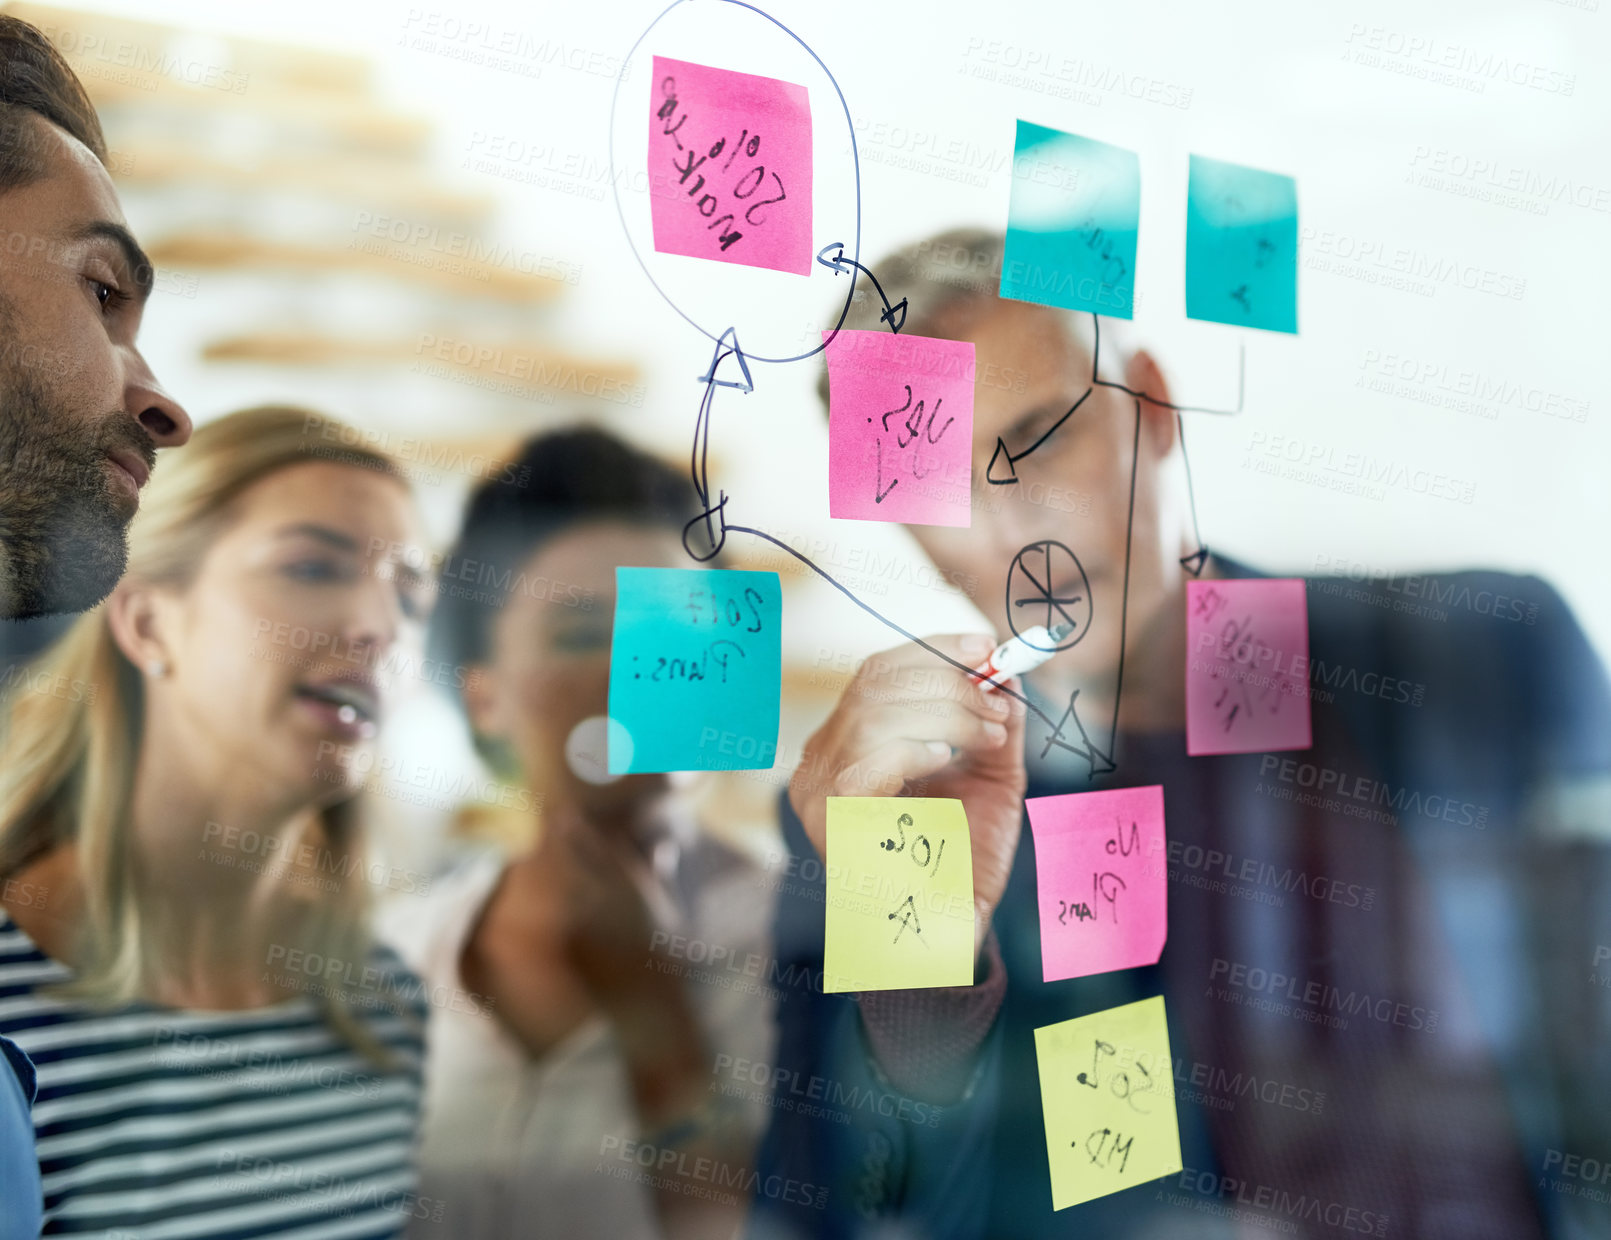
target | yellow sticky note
[
  {"x": 1107, "y": 1092},
  {"x": 899, "y": 894}
]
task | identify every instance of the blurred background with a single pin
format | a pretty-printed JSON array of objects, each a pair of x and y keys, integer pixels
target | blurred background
[{"x": 423, "y": 220}]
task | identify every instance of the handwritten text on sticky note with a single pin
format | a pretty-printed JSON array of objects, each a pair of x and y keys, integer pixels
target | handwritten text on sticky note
[
  {"x": 730, "y": 166},
  {"x": 1101, "y": 881},
  {"x": 1247, "y": 665},
  {"x": 1072, "y": 220},
  {"x": 1107, "y": 1096},
  {"x": 1241, "y": 246},
  {"x": 899, "y": 894},
  {"x": 900, "y": 428},
  {"x": 695, "y": 670}
]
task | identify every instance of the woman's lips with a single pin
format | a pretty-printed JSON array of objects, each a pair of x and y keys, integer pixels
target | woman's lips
[
  {"x": 347, "y": 704},
  {"x": 344, "y": 721}
]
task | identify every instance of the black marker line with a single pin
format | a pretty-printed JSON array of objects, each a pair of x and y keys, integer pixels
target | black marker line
[
  {"x": 1124, "y": 604},
  {"x": 839, "y": 264},
  {"x": 890, "y": 624},
  {"x": 1241, "y": 375},
  {"x": 696, "y": 459},
  {"x": 1012, "y": 460},
  {"x": 699, "y": 455},
  {"x": 1201, "y": 554},
  {"x": 1096, "y": 360},
  {"x": 1090, "y": 753},
  {"x": 1053, "y": 427}
]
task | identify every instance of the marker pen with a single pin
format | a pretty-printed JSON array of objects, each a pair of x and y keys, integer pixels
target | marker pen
[{"x": 1017, "y": 655}]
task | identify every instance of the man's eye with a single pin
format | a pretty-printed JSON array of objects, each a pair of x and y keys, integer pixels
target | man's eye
[{"x": 105, "y": 294}]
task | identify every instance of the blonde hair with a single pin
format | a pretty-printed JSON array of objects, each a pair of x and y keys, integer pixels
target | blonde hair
[{"x": 67, "y": 762}]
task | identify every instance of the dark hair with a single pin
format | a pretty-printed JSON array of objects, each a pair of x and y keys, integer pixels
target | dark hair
[
  {"x": 36, "y": 82},
  {"x": 559, "y": 480}
]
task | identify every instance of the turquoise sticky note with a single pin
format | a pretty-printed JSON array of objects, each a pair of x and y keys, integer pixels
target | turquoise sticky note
[
  {"x": 1071, "y": 223},
  {"x": 1241, "y": 246},
  {"x": 696, "y": 664}
]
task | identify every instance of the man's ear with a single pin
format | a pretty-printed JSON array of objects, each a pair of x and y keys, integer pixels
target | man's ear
[
  {"x": 137, "y": 623},
  {"x": 1143, "y": 374}
]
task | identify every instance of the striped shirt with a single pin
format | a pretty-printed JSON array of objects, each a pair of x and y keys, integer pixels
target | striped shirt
[{"x": 155, "y": 1122}]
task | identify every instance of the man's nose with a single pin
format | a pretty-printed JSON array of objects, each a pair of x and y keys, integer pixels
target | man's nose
[
  {"x": 163, "y": 417},
  {"x": 1016, "y": 520}
]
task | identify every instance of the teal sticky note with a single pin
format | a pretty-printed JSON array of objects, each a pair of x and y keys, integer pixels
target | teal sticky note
[
  {"x": 696, "y": 667},
  {"x": 1071, "y": 223},
  {"x": 1241, "y": 246}
]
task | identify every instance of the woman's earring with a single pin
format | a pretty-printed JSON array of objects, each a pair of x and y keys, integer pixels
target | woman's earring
[{"x": 157, "y": 668}]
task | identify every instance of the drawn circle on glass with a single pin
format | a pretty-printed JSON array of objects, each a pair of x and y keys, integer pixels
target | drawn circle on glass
[
  {"x": 852, "y": 247},
  {"x": 1047, "y": 585}
]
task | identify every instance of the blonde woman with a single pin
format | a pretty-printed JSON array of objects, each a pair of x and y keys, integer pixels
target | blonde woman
[{"x": 183, "y": 953}]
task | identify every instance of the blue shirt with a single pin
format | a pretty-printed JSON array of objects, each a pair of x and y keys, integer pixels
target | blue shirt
[{"x": 20, "y": 1208}]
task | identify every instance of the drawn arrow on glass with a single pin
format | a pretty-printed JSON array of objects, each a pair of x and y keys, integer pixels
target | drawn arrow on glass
[
  {"x": 840, "y": 265},
  {"x": 727, "y": 346},
  {"x": 712, "y": 521},
  {"x": 1008, "y": 459},
  {"x": 1194, "y": 562},
  {"x": 1101, "y": 763}
]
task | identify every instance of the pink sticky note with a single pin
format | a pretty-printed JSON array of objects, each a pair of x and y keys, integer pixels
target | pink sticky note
[
  {"x": 1247, "y": 665},
  {"x": 1100, "y": 871},
  {"x": 900, "y": 428},
  {"x": 730, "y": 166}
]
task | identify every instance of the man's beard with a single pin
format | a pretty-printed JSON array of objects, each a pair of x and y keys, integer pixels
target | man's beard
[{"x": 63, "y": 533}]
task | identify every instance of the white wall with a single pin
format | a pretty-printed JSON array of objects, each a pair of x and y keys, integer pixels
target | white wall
[{"x": 1275, "y": 85}]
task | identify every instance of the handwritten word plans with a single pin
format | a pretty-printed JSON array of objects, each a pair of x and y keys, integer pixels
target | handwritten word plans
[
  {"x": 696, "y": 668},
  {"x": 1100, "y": 873}
]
